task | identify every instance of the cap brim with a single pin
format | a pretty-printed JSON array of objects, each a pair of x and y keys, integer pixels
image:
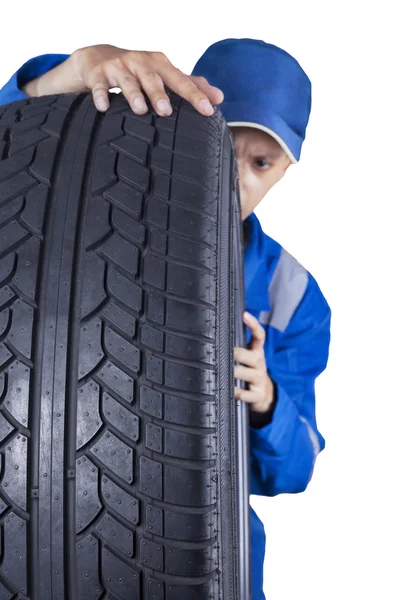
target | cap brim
[
  {"x": 256, "y": 114},
  {"x": 276, "y": 137}
]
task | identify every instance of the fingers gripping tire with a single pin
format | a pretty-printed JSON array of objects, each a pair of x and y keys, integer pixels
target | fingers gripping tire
[{"x": 117, "y": 419}]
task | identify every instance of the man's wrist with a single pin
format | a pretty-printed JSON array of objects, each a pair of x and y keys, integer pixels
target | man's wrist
[
  {"x": 30, "y": 88},
  {"x": 260, "y": 418}
]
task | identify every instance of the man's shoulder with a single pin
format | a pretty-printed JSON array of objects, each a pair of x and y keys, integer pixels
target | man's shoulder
[
  {"x": 275, "y": 256},
  {"x": 290, "y": 285}
]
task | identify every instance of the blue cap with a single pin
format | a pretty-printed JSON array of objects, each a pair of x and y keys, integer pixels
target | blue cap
[{"x": 264, "y": 87}]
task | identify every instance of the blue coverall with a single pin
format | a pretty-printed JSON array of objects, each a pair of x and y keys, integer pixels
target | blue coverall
[{"x": 288, "y": 302}]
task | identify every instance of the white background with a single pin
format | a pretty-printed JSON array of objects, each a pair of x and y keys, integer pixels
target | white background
[{"x": 336, "y": 212}]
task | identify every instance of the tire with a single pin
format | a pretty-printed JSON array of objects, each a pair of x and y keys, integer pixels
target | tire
[{"x": 119, "y": 460}]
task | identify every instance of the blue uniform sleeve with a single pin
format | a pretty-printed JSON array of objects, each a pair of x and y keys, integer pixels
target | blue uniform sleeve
[
  {"x": 283, "y": 453},
  {"x": 34, "y": 67}
]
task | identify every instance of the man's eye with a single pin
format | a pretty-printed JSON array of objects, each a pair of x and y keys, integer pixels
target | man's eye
[{"x": 263, "y": 164}]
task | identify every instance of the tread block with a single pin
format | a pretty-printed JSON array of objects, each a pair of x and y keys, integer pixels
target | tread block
[
  {"x": 154, "y": 269},
  {"x": 93, "y": 288},
  {"x": 129, "y": 227},
  {"x": 120, "y": 319},
  {"x": 161, "y": 185},
  {"x": 157, "y": 211},
  {"x": 183, "y": 347},
  {"x": 104, "y": 168},
  {"x": 124, "y": 290},
  {"x": 155, "y": 308},
  {"x": 189, "y": 487},
  {"x": 121, "y": 350},
  {"x": 139, "y": 128},
  {"x": 111, "y": 128},
  {"x": 189, "y": 446},
  {"x": 35, "y": 206},
  {"x": 26, "y": 276},
  {"x": 152, "y": 338},
  {"x": 117, "y": 380},
  {"x": 203, "y": 591},
  {"x": 190, "y": 562},
  {"x": 88, "y": 567},
  {"x": 119, "y": 578},
  {"x": 122, "y": 253},
  {"x": 88, "y": 415},
  {"x": 28, "y": 138},
  {"x": 115, "y": 455},
  {"x": 126, "y": 198},
  {"x": 154, "y": 369},
  {"x": 132, "y": 147},
  {"x": 32, "y": 121},
  {"x": 55, "y": 123},
  {"x": 20, "y": 332},
  {"x": 189, "y": 527},
  {"x": 190, "y": 251},
  {"x": 195, "y": 149},
  {"x": 5, "y": 429},
  {"x": 154, "y": 437},
  {"x": 18, "y": 389},
  {"x": 20, "y": 183},
  {"x": 155, "y": 589},
  {"x": 151, "y": 402},
  {"x": 192, "y": 226},
  {"x": 11, "y": 234},
  {"x": 158, "y": 241},
  {"x": 120, "y": 501},
  {"x": 186, "y": 411},
  {"x": 190, "y": 318},
  {"x": 15, "y": 544},
  {"x": 42, "y": 167},
  {"x": 120, "y": 417},
  {"x": 154, "y": 520},
  {"x": 98, "y": 220},
  {"x": 14, "y": 480},
  {"x": 161, "y": 159},
  {"x": 90, "y": 346},
  {"x": 133, "y": 173},
  {"x": 13, "y": 164},
  {"x": 151, "y": 481},
  {"x": 88, "y": 503},
  {"x": 191, "y": 284},
  {"x": 116, "y": 534},
  {"x": 151, "y": 555},
  {"x": 189, "y": 379},
  {"x": 165, "y": 138},
  {"x": 5, "y": 317}
]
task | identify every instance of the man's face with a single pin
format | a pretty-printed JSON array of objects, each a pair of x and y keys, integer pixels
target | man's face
[{"x": 261, "y": 163}]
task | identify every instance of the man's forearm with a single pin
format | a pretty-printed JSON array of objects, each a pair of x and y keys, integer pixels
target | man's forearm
[{"x": 62, "y": 79}]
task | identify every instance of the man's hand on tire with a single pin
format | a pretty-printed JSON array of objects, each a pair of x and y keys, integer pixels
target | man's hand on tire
[{"x": 102, "y": 67}]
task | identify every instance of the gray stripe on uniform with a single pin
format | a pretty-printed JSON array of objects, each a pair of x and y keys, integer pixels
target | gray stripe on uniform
[
  {"x": 264, "y": 317},
  {"x": 287, "y": 288},
  {"x": 313, "y": 437}
]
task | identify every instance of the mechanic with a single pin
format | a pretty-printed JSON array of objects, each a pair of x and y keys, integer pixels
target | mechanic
[{"x": 265, "y": 97}]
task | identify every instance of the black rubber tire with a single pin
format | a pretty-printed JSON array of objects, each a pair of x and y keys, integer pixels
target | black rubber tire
[{"x": 117, "y": 425}]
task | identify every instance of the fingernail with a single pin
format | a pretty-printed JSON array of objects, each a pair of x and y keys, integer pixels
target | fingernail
[
  {"x": 246, "y": 315},
  {"x": 139, "y": 103},
  {"x": 101, "y": 104},
  {"x": 206, "y": 107},
  {"x": 164, "y": 106}
]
